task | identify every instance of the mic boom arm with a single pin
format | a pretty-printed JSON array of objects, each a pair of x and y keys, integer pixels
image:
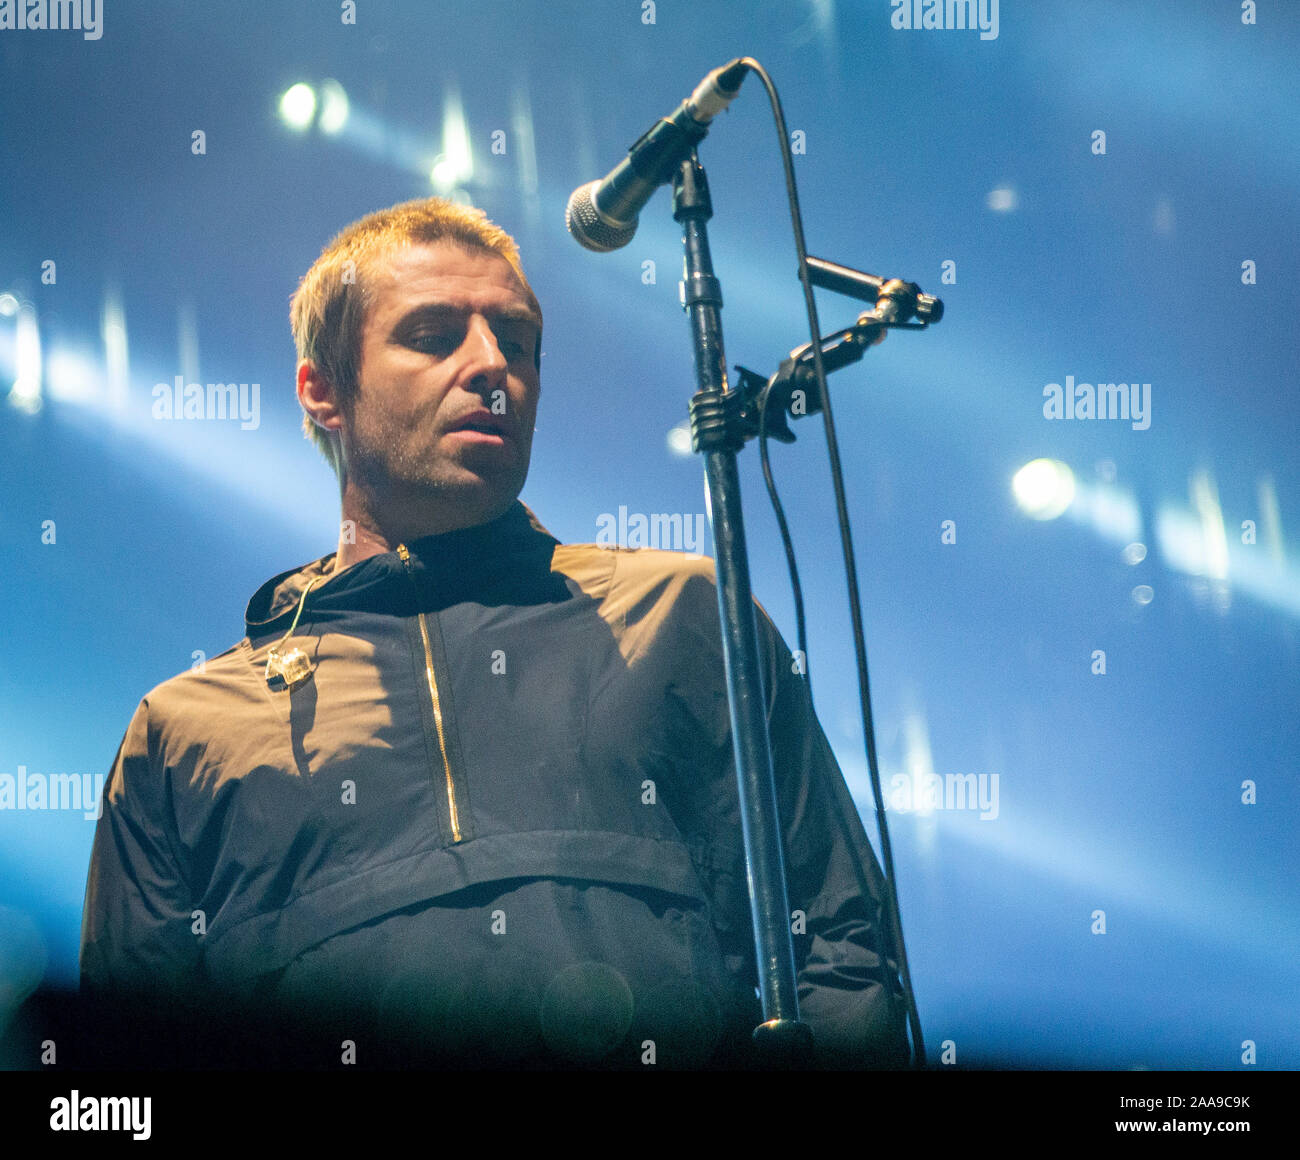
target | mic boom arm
[{"x": 793, "y": 391}]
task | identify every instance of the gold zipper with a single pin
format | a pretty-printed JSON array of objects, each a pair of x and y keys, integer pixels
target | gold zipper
[{"x": 437, "y": 704}]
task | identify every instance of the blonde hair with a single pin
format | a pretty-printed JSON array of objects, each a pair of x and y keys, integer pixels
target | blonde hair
[{"x": 328, "y": 310}]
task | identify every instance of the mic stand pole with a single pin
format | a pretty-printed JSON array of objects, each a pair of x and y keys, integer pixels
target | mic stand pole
[{"x": 716, "y": 417}]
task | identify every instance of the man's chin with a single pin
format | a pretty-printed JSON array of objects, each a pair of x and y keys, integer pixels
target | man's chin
[{"x": 463, "y": 497}]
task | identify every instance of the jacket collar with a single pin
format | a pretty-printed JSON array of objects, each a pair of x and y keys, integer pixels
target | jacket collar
[{"x": 506, "y": 560}]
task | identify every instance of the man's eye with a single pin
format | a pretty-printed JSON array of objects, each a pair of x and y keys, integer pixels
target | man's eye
[
  {"x": 434, "y": 342},
  {"x": 516, "y": 342}
]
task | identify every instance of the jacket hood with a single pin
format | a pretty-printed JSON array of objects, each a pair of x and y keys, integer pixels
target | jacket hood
[{"x": 504, "y": 560}]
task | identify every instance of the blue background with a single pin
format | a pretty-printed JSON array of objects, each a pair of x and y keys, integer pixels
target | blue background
[{"x": 1119, "y": 792}]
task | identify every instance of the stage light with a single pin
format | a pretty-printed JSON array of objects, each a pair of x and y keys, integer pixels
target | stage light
[
  {"x": 1271, "y": 518},
  {"x": 920, "y": 766},
  {"x": 1003, "y": 199},
  {"x": 73, "y": 376},
  {"x": 117, "y": 362},
  {"x": 8, "y": 305},
  {"x": 298, "y": 107},
  {"x": 334, "y": 108},
  {"x": 1205, "y": 502},
  {"x": 455, "y": 164},
  {"x": 443, "y": 173},
  {"x": 525, "y": 142},
  {"x": 679, "y": 438},
  {"x": 25, "y": 394},
  {"x": 1043, "y": 488}
]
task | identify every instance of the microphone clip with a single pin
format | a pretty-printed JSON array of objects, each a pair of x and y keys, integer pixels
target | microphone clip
[
  {"x": 793, "y": 391},
  {"x": 285, "y": 671}
]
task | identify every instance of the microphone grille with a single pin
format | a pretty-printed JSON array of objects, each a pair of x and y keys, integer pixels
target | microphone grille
[{"x": 589, "y": 228}]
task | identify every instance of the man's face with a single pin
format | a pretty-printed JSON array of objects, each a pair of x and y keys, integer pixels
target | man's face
[{"x": 441, "y": 425}]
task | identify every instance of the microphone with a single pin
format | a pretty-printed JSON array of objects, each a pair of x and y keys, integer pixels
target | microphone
[{"x": 602, "y": 215}]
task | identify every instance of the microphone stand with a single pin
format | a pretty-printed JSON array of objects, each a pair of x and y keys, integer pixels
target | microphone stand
[{"x": 716, "y": 419}]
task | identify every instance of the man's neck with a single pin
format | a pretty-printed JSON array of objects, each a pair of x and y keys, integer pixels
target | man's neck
[
  {"x": 362, "y": 534},
  {"x": 358, "y": 542}
]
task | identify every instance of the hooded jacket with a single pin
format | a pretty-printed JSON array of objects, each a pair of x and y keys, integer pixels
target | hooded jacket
[{"x": 496, "y": 824}]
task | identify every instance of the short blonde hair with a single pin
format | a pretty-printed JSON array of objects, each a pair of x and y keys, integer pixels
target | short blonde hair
[{"x": 328, "y": 310}]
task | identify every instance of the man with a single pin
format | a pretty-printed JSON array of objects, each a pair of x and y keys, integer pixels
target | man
[{"x": 463, "y": 793}]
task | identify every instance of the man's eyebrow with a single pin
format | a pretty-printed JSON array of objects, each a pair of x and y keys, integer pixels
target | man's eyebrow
[{"x": 440, "y": 310}]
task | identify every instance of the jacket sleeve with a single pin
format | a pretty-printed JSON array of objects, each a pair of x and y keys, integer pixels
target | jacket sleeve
[
  {"x": 847, "y": 973},
  {"x": 137, "y": 945}
]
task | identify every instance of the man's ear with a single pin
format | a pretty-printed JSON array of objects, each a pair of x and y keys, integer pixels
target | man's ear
[{"x": 319, "y": 397}]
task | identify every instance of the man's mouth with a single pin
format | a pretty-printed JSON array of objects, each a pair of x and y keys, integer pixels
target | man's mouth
[{"x": 482, "y": 424}]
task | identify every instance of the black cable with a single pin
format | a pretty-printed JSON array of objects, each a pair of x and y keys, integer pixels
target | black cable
[
  {"x": 850, "y": 566},
  {"x": 801, "y": 628}
]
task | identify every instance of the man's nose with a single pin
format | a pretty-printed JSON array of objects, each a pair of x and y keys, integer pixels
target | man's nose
[{"x": 486, "y": 364}]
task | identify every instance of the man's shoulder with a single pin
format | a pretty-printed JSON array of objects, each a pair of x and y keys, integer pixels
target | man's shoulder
[
  {"x": 651, "y": 583},
  {"x": 638, "y": 582},
  {"x": 207, "y": 679},
  {"x": 182, "y": 713},
  {"x": 617, "y": 567}
]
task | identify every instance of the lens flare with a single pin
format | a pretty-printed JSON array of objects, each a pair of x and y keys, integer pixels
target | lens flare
[{"x": 1044, "y": 488}]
